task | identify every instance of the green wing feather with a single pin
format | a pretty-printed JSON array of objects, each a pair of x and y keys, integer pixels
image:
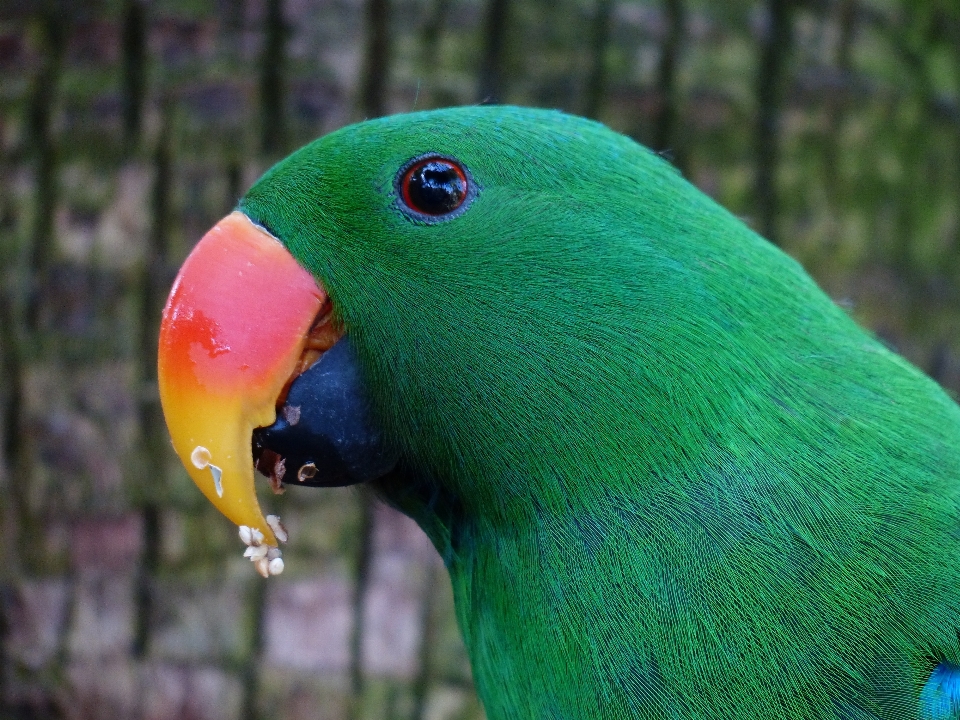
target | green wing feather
[{"x": 669, "y": 477}]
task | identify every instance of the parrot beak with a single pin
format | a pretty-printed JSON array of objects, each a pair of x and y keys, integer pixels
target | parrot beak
[{"x": 241, "y": 322}]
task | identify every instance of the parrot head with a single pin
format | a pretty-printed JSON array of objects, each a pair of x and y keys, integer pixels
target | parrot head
[
  {"x": 496, "y": 271},
  {"x": 631, "y": 426}
]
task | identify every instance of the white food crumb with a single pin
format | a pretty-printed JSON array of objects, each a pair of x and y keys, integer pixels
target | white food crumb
[
  {"x": 278, "y": 529},
  {"x": 200, "y": 457},
  {"x": 265, "y": 558},
  {"x": 263, "y": 566},
  {"x": 255, "y": 552},
  {"x": 291, "y": 413},
  {"x": 217, "y": 474}
]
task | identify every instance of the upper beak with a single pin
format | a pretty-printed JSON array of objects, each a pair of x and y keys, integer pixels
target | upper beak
[{"x": 233, "y": 331}]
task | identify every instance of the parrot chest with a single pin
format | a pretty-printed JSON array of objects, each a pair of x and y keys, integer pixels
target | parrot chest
[{"x": 615, "y": 618}]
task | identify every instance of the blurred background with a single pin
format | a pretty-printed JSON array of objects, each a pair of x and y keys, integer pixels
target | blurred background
[{"x": 128, "y": 127}]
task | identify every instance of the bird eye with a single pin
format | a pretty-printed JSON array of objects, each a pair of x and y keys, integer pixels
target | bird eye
[{"x": 433, "y": 187}]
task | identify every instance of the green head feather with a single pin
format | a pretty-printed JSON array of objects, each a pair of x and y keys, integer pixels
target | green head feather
[{"x": 669, "y": 477}]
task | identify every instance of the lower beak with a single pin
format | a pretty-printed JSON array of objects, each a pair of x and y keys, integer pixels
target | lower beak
[{"x": 233, "y": 332}]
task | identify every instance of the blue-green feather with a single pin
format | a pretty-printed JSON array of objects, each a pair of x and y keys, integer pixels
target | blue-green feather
[{"x": 940, "y": 697}]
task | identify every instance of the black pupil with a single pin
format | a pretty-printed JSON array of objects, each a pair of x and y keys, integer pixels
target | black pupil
[{"x": 436, "y": 188}]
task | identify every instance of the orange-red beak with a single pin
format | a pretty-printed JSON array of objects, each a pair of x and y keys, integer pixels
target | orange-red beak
[{"x": 232, "y": 333}]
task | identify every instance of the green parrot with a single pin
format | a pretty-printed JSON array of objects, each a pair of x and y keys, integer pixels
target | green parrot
[{"x": 669, "y": 478}]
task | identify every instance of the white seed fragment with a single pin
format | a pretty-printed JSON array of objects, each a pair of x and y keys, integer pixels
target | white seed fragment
[
  {"x": 217, "y": 473},
  {"x": 276, "y": 477},
  {"x": 259, "y": 552},
  {"x": 263, "y": 567},
  {"x": 255, "y": 552},
  {"x": 200, "y": 457},
  {"x": 291, "y": 413},
  {"x": 278, "y": 529},
  {"x": 265, "y": 558}
]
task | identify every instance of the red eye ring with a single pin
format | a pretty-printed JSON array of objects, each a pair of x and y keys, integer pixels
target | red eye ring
[{"x": 433, "y": 187}]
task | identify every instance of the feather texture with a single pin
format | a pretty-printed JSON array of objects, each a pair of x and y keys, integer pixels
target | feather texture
[{"x": 668, "y": 476}]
